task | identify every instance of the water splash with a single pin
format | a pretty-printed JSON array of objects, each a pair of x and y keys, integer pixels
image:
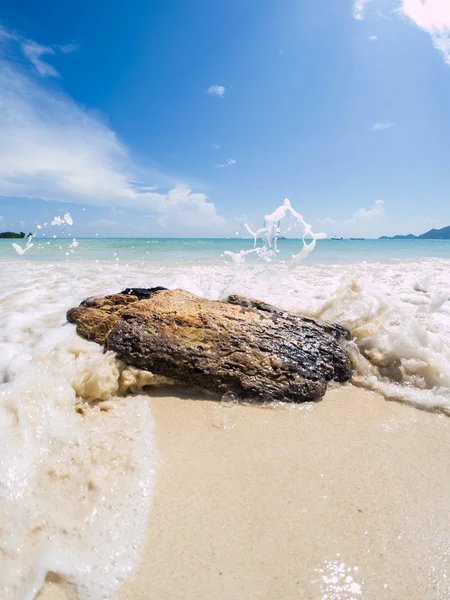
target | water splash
[
  {"x": 27, "y": 246},
  {"x": 56, "y": 222},
  {"x": 68, "y": 219},
  {"x": 270, "y": 234}
]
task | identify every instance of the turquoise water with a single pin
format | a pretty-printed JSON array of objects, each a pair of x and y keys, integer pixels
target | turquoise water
[{"x": 211, "y": 250}]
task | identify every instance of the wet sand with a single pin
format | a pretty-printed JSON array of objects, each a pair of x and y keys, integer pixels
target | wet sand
[{"x": 346, "y": 498}]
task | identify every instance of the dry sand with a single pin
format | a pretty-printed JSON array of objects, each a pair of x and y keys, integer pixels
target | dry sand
[{"x": 346, "y": 498}]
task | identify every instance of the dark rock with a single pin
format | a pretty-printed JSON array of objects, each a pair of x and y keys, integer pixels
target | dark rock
[
  {"x": 142, "y": 293},
  {"x": 243, "y": 346}
]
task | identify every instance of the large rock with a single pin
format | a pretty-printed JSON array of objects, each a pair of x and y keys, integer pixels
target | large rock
[{"x": 243, "y": 346}]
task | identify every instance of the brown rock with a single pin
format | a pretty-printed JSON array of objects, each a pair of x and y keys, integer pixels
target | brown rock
[{"x": 243, "y": 346}]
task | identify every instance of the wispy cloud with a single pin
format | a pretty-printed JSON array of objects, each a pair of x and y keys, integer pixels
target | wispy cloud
[
  {"x": 241, "y": 219},
  {"x": 216, "y": 90},
  {"x": 53, "y": 149},
  {"x": 216, "y": 146},
  {"x": 373, "y": 38},
  {"x": 433, "y": 16},
  {"x": 33, "y": 52},
  {"x": 358, "y": 9},
  {"x": 67, "y": 48},
  {"x": 382, "y": 126},
  {"x": 361, "y": 222},
  {"x": 229, "y": 163},
  {"x": 104, "y": 224}
]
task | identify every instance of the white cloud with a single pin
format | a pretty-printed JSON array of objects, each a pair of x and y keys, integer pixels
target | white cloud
[
  {"x": 377, "y": 210},
  {"x": 53, "y": 149},
  {"x": 361, "y": 223},
  {"x": 433, "y": 16},
  {"x": 382, "y": 126},
  {"x": 229, "y": 163},
  {"x": 358, "y": 9},
  {"x": 216, "y": 146},
  {"x": 373, "y": 38},
  {"x": 216, "y": 90}
]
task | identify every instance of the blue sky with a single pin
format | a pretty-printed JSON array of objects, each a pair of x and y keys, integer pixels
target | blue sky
[{"x": 170, "y": 118}]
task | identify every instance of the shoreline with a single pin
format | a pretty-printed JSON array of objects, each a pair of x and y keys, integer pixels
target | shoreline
[{"x": 345, "y": 498}]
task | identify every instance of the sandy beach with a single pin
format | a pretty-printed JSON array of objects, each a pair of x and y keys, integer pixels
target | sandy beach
[{"x": 345, "y": 498}]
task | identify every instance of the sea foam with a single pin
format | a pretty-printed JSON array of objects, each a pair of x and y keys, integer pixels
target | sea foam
[{"x": 76, "y": 463}]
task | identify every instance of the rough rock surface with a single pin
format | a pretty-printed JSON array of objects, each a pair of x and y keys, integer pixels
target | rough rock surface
[{"x": 243, "y": 346}]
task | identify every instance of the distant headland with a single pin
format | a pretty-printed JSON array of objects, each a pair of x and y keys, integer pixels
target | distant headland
[{"x": 433, "y": 234}]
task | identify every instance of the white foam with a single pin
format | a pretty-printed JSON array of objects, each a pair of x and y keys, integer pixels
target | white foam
[
  {"x": 401, "y": 342},
  {"x": 76, "y": 464}
]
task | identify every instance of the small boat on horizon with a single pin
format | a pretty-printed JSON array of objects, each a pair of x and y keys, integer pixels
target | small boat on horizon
[{"x": 337, "y": 238}]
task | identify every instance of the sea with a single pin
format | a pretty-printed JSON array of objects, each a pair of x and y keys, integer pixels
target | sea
[
  {"x": 77, "y": 459},
  {"x": 205, "y": 250}
]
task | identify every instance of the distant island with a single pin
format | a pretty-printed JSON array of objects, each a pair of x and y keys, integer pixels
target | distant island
[
  {"x": 433, "y": 234},
  {"x": 11, "y": 234}
]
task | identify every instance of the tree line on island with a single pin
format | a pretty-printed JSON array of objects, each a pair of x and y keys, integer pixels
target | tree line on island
[{"x": 13, "y": 235}]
